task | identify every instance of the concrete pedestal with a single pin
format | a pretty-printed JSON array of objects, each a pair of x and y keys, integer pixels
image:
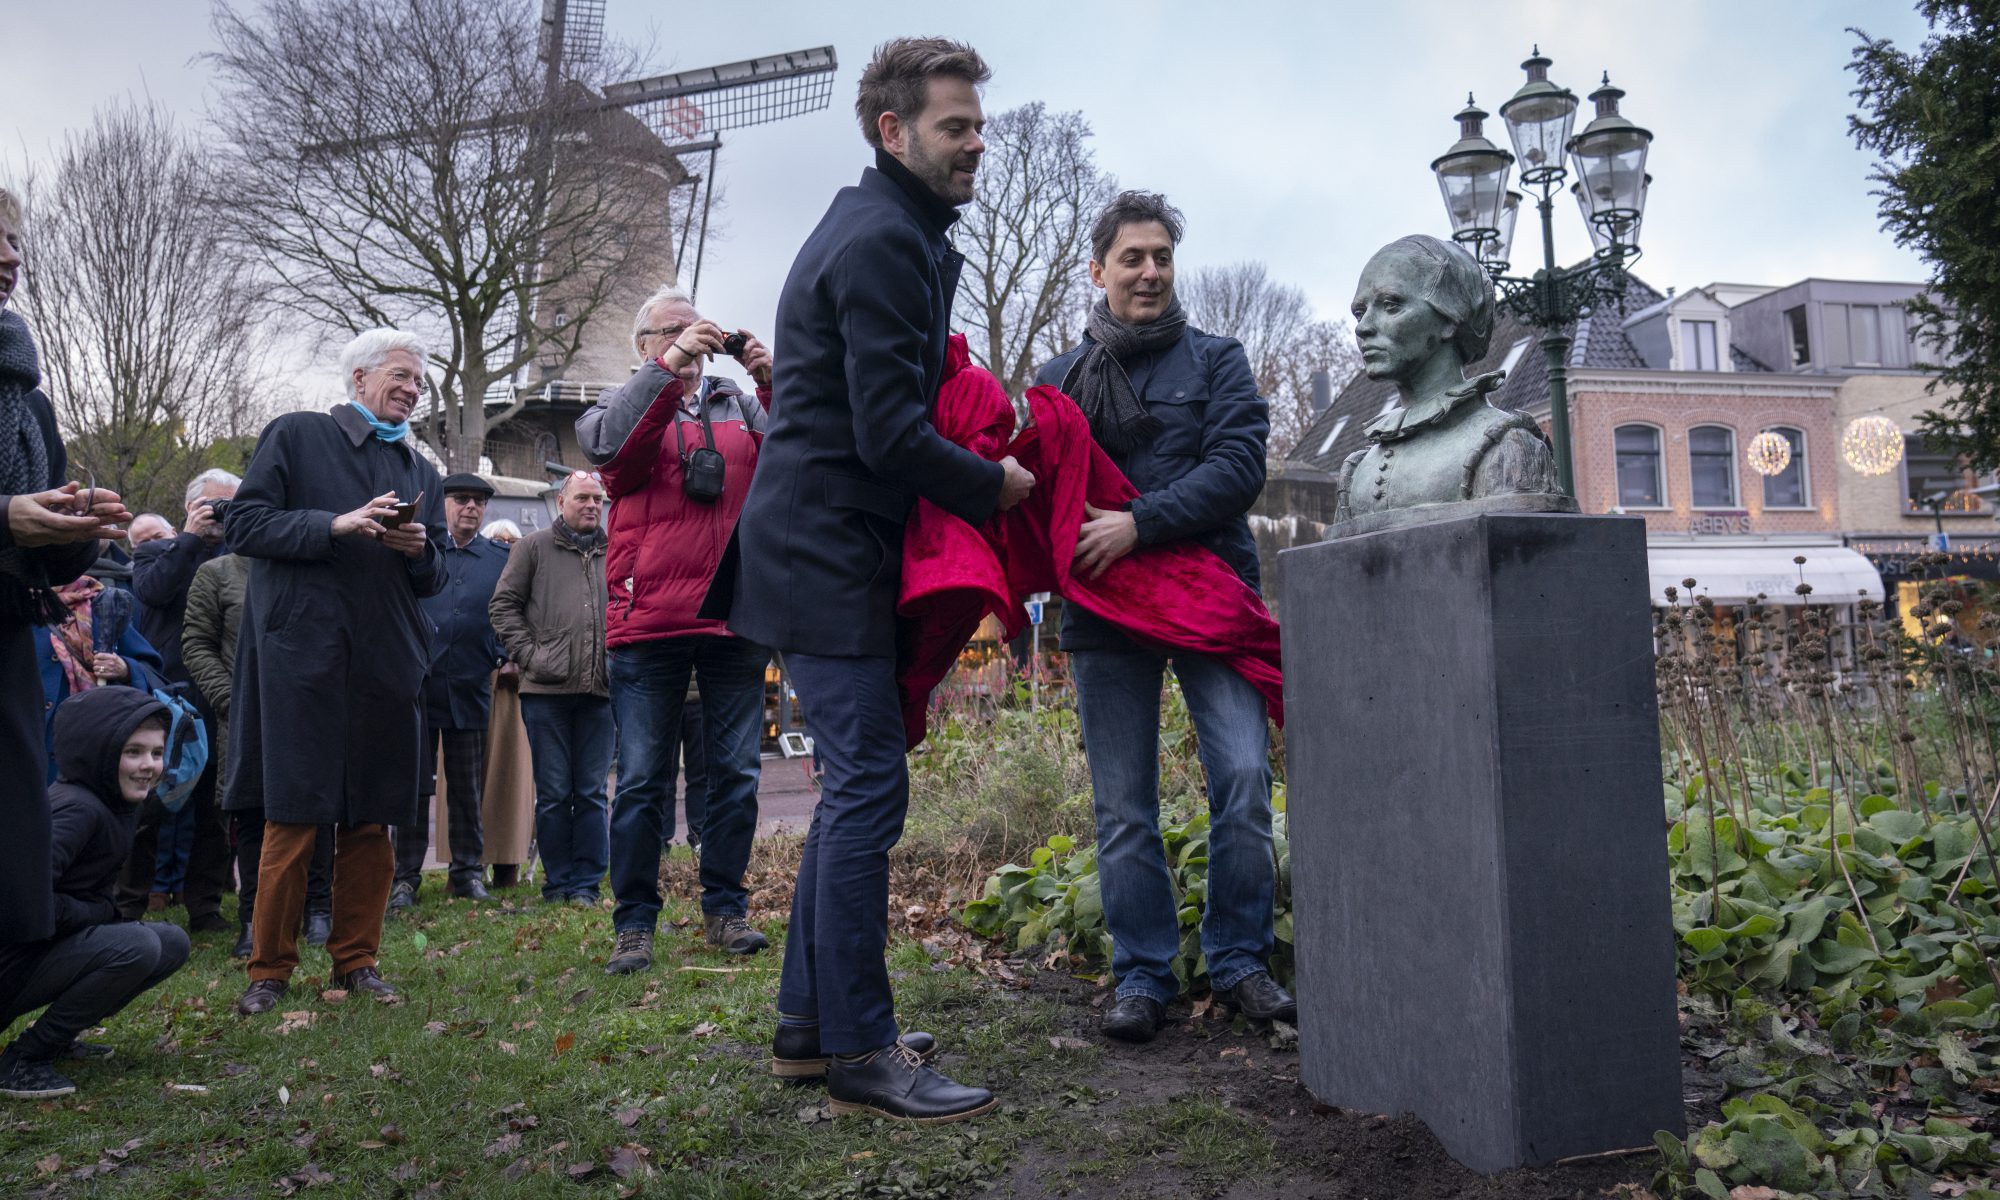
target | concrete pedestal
[{"x": 1479, "y": 865}]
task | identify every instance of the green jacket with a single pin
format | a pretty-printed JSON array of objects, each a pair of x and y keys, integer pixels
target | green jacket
[
  {"x": 549, "y": 612},
  {"x": 208, "y": 635}
]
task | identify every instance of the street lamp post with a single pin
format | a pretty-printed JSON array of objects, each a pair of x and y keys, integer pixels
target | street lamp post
[{"x": 1610, "y": 161}]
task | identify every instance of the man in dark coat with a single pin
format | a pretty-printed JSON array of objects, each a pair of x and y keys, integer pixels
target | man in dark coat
[
  {"x": 49, "y": 537},
  {"x": 327, "y": 706},
  {"x": 458, "y": 695},
  {"x": 110, "y": 752},
  {"x": 162, "y": 571},
  {"x": 1178, "y": 411},
  {"x": 861, "y": 343}
]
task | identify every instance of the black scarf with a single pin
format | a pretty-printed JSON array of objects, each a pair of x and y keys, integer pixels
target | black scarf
[
  {"x": 1098, "y": 383},
  {"x": 585, "y": 542},
  {"x": 24, "y": 469}
]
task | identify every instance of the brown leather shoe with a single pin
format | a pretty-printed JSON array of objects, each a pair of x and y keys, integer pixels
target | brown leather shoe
[
  {"x": 261, "y": 996},
  {"x": 366, "y": 979}
]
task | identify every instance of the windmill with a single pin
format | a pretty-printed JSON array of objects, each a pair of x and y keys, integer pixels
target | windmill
[{"x": 688, "y": 111}]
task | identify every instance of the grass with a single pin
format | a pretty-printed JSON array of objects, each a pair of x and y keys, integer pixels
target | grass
[{"x": 514, "y": 1063}]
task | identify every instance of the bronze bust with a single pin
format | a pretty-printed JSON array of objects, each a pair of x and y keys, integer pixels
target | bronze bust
[{"x": 1422, "y": 311}]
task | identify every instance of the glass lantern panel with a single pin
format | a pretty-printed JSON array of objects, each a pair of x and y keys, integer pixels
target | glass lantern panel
[
  {"x": 1473, "y": 188},
  {"x": 1540, "y": 127}
]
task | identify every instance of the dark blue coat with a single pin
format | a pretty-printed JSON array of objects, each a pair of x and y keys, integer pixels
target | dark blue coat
[
  {"x": 162, "y": 572},
  {"x": 145, "y": 671},
  {"x": 458, "y": 692},
  {"x": 817, "y": 559},
  {"x": 1200, "y": 476}
]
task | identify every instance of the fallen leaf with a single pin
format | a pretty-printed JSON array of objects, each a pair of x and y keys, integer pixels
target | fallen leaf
[
  {"x": 579, "y": 997},
  {"x": 525, "y": 1121},
  {"x": 581, "y": 1171},
  {"x": 859, "y": 1155},
  {"x": 624, "y": 1162},
  {"x": 506, "y": 1143},
  {"x": 705, "y": 1029},
  {"x": 563, "y": 1043},
  {"x": 434, "y": 1027},
  {"x": 509, "y": 1048},
  {"x": 371, "y": 1144},
  {"x": 407, "y": 1171},
  {"x": 284, "y": 1094},
  {"x": 49, "y": 1165},
  {"x": 1949, "y": 1187},
  {"x": 1749, "y": 1192},
  {"x": 1234, "y": 1052},
  {"x": 813, "y": 1113},
  {"x": 334, "y": 995},
  {"x": 193, "y": 1088},
  {"x": 628, "y": 1117},
  {"x": 517, "y": 1168},
  {"x": 392, "y": 1135}
]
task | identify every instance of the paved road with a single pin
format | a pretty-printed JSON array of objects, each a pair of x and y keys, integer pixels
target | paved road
[{"x": 784, "y": 799}]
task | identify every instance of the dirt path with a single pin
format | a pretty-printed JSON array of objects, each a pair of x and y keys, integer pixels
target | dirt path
[{"x": 1321, "y": 1153}]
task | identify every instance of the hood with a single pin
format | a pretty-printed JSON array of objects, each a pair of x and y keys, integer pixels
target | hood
[
  {"x": 91, "y": 729},
  {"x": 957, "y": 355}
]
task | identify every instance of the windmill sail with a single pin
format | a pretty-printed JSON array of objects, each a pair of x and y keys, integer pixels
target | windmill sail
[{"x": 690, "y": 105}]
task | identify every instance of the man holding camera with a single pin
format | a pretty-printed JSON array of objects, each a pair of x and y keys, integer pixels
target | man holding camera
[
  {"x": 676, "y": 450},
  {"x": 162, "y": 571}
]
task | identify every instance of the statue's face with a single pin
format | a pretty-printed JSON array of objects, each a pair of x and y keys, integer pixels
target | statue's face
[{"x": 1397, "y": 329}]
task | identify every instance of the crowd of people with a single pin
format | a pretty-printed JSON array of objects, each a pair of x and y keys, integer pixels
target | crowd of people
[{"x": 345, "y": 596}]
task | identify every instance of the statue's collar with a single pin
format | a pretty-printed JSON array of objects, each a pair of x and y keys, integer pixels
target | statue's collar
[{"x": 1405, "y": 422}]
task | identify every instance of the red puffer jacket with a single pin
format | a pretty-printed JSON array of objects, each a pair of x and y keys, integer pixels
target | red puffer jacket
[{"x": 665, "y": 546}]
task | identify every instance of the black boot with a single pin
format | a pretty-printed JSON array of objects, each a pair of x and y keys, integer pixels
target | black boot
[
  {"x": 893, "y": 1082},
  {"x": 1133, "y": 1019},
  {"x": 244, "y": 944},
  {"x": 1260, "y": 998},
  {"x": 319, "y": 927}
]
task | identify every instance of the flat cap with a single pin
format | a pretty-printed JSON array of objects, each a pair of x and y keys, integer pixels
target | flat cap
[{"x": 466, "y": 481}]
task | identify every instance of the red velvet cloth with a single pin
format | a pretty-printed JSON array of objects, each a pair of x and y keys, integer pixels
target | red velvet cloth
[{"x": 1177, "y": 597}]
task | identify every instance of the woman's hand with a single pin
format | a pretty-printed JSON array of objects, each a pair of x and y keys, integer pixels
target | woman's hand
[
  {"x": 110, "y": 668},
  {"x": 57, "y": 517}
]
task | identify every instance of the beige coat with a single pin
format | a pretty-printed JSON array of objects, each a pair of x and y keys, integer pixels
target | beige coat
[{"x": 507, "y": 795}]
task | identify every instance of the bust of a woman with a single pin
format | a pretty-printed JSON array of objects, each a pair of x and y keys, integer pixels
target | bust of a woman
[{"x": 1423, "y": 310}]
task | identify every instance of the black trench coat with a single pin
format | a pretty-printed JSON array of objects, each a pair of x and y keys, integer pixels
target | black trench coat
[{"x": 326, "y": 703}]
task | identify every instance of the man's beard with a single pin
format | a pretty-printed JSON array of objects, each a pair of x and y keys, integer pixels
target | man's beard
[{"x": 938, "y": 175}]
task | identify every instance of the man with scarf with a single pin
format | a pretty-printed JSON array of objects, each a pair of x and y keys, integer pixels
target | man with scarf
[
  {"x": 1178, "y": 412},
  {"x": 331, "y": 656},
  {"x": 49, "y": 537}
]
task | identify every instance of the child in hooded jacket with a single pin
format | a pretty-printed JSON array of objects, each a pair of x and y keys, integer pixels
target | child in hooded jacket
[{"x": 110, "y": 752}]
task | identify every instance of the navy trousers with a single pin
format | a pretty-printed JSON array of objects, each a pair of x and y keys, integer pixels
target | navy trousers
[{"x": 835, "y": 970}]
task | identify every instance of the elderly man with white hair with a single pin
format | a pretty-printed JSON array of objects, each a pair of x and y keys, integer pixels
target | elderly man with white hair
[
  {"x": 326, "y": 713},
  {"x": 162, "y": 571}
]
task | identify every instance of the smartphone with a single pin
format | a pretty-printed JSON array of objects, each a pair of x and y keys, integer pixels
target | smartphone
[{"x": 405, "y": 513}]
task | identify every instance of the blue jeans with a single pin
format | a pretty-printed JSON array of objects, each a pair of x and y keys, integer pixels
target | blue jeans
[
  {"x": 649, "y": 683},
  {"x": 570, "y": 736},
  {"x": 835, "y": 972},
  {"x": 1118, "y": 697}
]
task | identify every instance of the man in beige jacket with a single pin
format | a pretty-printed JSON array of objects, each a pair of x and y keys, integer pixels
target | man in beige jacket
[{"x": 549, "y": 612}]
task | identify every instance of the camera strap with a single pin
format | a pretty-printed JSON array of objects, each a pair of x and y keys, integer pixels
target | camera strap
[{"x": 707, "y": 430}]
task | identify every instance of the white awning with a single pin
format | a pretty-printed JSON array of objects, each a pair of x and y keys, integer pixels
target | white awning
[{"x": 1732, "y": 574}]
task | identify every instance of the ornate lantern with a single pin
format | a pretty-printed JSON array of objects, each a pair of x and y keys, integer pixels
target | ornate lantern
[
  {"x": 1473, "y": 177},
  {"x": 1769, "y": 453},
  {"x": 1538, "y": 120},
  {"x": 1872, "y": 445},
  {"x": 1610, "y": 155}
]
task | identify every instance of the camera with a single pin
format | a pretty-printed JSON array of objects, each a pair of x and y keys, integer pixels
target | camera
[
  {"x": 733, "y": 345},
  {"x": 218, "y": 509}
]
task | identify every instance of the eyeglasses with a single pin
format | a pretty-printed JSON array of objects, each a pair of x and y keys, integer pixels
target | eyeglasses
[
  {"x": 472, "y": 498},
  {"x": 402, "y": 378}
]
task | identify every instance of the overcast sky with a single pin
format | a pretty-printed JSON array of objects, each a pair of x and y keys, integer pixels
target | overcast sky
[{"x": 1299, "y": 134}]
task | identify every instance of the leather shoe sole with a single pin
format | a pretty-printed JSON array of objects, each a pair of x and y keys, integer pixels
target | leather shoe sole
[{"x": 849, "y": 1108}]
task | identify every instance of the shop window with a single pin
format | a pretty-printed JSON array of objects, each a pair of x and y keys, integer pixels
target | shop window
[
  {"x": 1641, "y": 483},
  {"x": 1712, "y": 466},
  {"x": 1787, "y": 489},
  {"x": 1930, "y": 472}
]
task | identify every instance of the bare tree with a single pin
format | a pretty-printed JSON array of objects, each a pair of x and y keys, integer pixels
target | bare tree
[
  {"x": 150, "y": 342},
  {"x": 1026, "y": 240},
  {"x": 415, "y": 163},
  {"x": 1285, "y": 341}
]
